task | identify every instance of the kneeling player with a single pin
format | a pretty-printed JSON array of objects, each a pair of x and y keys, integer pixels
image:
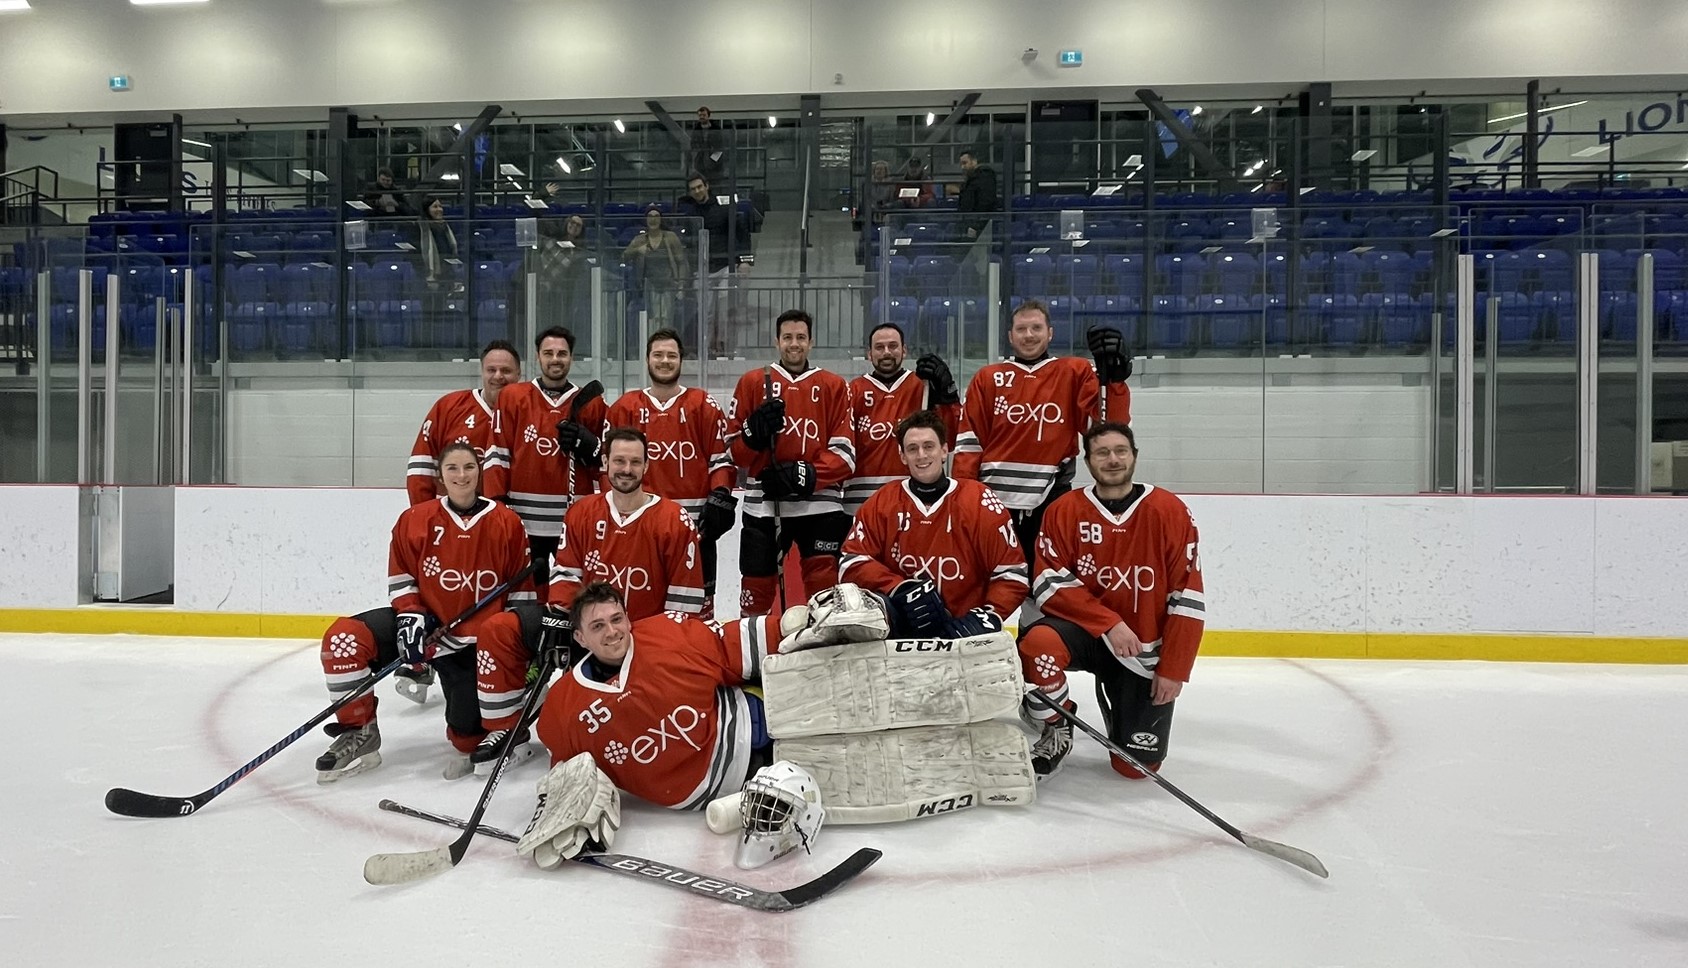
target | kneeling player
[
  {"x": 943, "y": 551},
  {"x": 676, "y": 727},
  {"x": 1118, "y": 578},
  {"x": 445, "y": 554}
]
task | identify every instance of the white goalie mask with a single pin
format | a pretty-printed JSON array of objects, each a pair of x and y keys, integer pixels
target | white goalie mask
[{"x": 780, "y": 810}]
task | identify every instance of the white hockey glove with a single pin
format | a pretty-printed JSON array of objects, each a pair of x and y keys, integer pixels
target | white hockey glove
[
  {"x": 578, "y": 808},
  {"x": 842, "y": 613}
]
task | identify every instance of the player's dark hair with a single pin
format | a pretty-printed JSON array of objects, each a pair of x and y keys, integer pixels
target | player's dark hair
[
  {"x": 506, "y": 346},
  {"x": 596, "y": 593},
  {"x": 922, "y": 419},
  {"x": 796, "y": 316},
  {"x": 663, "y": 334},
  {"x": 555, "y": 332},
  {"x": 625, "y": 433},
  {"x": 1110, "y": 427},
  {"x": 460, "y": 445},
  {"x": 1031, "y": 306},
  {"x": 901, "y": 336}
]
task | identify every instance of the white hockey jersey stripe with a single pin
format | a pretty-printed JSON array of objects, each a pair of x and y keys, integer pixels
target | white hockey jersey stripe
[
  {"x": 683, "y": 600},
  {"x": 731, "y": 757}
]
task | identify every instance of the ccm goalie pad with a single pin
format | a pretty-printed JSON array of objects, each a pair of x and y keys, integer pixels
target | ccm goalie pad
[
  {"x": 862, "y": 687},
  {"x": 905, "y": 774}
]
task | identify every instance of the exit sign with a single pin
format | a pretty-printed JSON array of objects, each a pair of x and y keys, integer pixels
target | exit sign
[
  {"x": 1072, "y": 58},
  {"x": 118, "y": 82}
]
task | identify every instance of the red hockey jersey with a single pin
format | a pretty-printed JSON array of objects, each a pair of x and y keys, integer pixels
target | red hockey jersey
[
  {"x": 964, "y": 543},
  {"x": 878, "y": 409},
  {"x": 817, "y": 429},
  {"x": 1142, "y": 567},
  {"x": 441, "y": 563},
  {"x": 669, "y": 728},
  {"x": 650, "y": 556},
  {"x": 687, "y": 453},
  {"x": 460, "y": 416},
  {"x": 539, "y": 474},
  {"x": 1021, "y": 423}
]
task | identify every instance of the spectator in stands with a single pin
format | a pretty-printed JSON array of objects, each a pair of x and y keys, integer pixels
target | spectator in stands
[
  {"x": 436, "y": 243},
  {"x": 979, "y": 196},
  {"x": 659, "y": 258},
  {"x": 914, "y": 188},
  {"x": 729, "y": 250},
  {"x": 882, "y": 193},
  {"x": 562, "y": 262},
  {"x": 385, "y": 198},
  {"x": 709, "y": 148}
]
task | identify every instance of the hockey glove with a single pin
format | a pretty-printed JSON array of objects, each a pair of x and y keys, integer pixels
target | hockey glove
[
  {"x": 412, "y": 636},
  {"x": 412, "y": 682},
  {"x": 579, "y": 808},
  {"x": 718, "y": 513},
  {"x": 556, "y": 637},
  {"x": 577, "y": 442},
  {"x": 763, "y": 424},
  {"x": 919, "y": 609},
  {"x": 793, "y": 480},
  {"x": 1107, "y": 347},
  {"x": 936, "y": 373},
  {"x": 980, "y": 621}
]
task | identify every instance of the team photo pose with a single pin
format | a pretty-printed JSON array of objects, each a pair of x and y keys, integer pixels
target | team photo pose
[
  {"x": 881, "y": 398},
  {"x": 470, "y": 417}
]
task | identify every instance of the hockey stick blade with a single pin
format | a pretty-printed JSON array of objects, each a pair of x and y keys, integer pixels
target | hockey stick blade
[
  {"x": 691, "y": 882},
  {"x": 1284, "y": 852},
  {"x": 130, "y": 803},
  {"x": 404, "y": 868}
]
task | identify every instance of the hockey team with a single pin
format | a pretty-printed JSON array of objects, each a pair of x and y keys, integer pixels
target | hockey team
[{"x": 549, "y": 529}]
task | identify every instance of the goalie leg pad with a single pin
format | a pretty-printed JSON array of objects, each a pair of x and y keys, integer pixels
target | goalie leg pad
[
  {"x": 869, "y": 686},
  {"x": 905, "y": 774}
]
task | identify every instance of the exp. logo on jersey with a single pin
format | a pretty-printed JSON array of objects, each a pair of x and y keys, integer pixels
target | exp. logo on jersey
[
  {"x": 939, "y": 568},
  {"x": 631, "y": 579},
  {"x": 1137, "y": 579},
  {"x": 544, "y": 444},
  {"x": 675, "y": 450},
  {"x": 1041, "y": 414},
  {"x": 805, "y": 429},
  {"x": 875, "y": 431},
  {"x": 451, "y": 580},
  {"x": 677, "y": 727}
]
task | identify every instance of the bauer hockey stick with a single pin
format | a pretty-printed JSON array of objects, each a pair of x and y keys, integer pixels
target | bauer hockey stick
[
  {"x": 587, "y": 394},
  {"x": 1283, "y": 852},
  {"x": 130, "y": 803},
  {"x": 668, "y": 875},
  {"x": 773, "y": 505},
  {"x": 401, "y": 868}
]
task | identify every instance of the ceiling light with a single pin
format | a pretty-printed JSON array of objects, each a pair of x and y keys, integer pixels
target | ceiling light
[
  {"x": 773, "y": 122},
  {"x": 186, "y": 141},
  {"x": 160, "y": 3},
  {"x": 1258, "y": 108},
  {"x": 1589, "y": 152},
  {"x": 1196, "y": 110},
  {"x": 509, "y": 169},
  {"x": 931, "y": 119},
  {"x": 563, "y": 163},
  {"x": 451, "y": 176},
  {"x": 1525, "y": 114},
  {"x": 14, "y": 5},
  {"x": 619, "y": 127},
  {"x": 1364, "y": 154}
]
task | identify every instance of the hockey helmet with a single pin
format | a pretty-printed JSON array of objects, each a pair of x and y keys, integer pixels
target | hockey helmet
[{"x": 780, "y": 810}]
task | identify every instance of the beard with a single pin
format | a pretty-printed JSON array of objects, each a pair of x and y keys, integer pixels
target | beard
[{"x": 658, "y": 381}]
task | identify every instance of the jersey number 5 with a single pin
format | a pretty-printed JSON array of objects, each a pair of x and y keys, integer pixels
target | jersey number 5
[{"x": 595, "y": 715}]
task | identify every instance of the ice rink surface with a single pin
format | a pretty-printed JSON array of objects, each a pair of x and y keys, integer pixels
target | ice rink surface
[{"x": 1470, "y": 814}]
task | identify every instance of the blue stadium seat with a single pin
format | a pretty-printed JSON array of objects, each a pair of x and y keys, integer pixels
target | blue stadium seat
[
  {"x": 1237, "y": 273},
  {"x": 1168, "y": 325},
  {"x": 1125, "y": 273},
  {"x": 1180, "y": 273},
  {"x": 1403, "y": 320},
  {"x": 1225, "y": 321},
  {"x": 1078, "y": 273}
]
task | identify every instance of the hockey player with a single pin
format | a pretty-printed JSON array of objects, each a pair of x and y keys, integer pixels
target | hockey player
[
  {"x": 788, "y": 426},
  {"x": 470, "y": 416},
  {"x": 1020, "y": 426},
  {"x": 943, "y": 551},
  {"x": 687, "y": 461},
  {"x": 673, "y": 725},
  {"x": 445, "y": 555},
  {"x": 881, "y": 398},
  {"x": 552, "y": 450},
  {"x": 638, "y": 542},
  {"x": 1118, "y": 578}
]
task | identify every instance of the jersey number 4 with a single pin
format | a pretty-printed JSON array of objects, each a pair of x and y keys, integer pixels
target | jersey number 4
[{"x": 595, "y": 716}]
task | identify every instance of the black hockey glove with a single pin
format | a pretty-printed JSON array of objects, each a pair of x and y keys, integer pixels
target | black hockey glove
[
  {"x": 577, "y": 442},
  {"x": 918, "y": 608},
  {"x": 411, "y": 633},
  {"x": 793, "y": 480},
  {"x": 763, "y": 424},
  {"x": 718, "y": 513},
  {"x": 556, "y": 637},
  {"x": 936, "y": 373},
  {"x": 1107, "y": 347},
  {"x": 980, "y": 621}
]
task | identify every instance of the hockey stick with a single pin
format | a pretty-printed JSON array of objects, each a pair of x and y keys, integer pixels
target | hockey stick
[
  {"x": 130, "y": 803},
  {"x": 1283, "y": 852},
  {"x": 400, "y": 868},
  {"x": 689, "y": 881},
  {"x": 587, "y": 394},
  {"x": 773, "y": 505}
]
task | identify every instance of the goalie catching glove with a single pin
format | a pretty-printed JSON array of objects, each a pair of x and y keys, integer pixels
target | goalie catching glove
[
  {"x": 842, "y": 613},
  {"x": 579, "y": 809},
  {"x": 1107, "y": 348}
]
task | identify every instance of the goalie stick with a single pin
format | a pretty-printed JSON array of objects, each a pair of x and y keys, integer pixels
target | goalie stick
[
  {"x": 401, "y": 868},
  {"x": 689, "y": 881},
  {"x": 1283, "y": 852},
  {"x": 130, "y": 803}
]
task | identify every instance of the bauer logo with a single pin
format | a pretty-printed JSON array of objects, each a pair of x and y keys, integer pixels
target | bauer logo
[
  {"x": 1144, "y": 741},
  {"x": 922, "y": 645},
  {"x": 683, "y": 878},
  {"x": 946, "y": 805}
]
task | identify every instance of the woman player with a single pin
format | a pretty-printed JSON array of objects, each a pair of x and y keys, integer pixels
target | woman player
[{"x": 446, "y": 554}]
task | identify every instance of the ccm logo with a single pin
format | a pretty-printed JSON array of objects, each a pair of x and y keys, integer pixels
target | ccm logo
[
  {"x": 922, "y": 645},
  {"x": 682, "y": 878},
  {"x": 946, "y": 805}
]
